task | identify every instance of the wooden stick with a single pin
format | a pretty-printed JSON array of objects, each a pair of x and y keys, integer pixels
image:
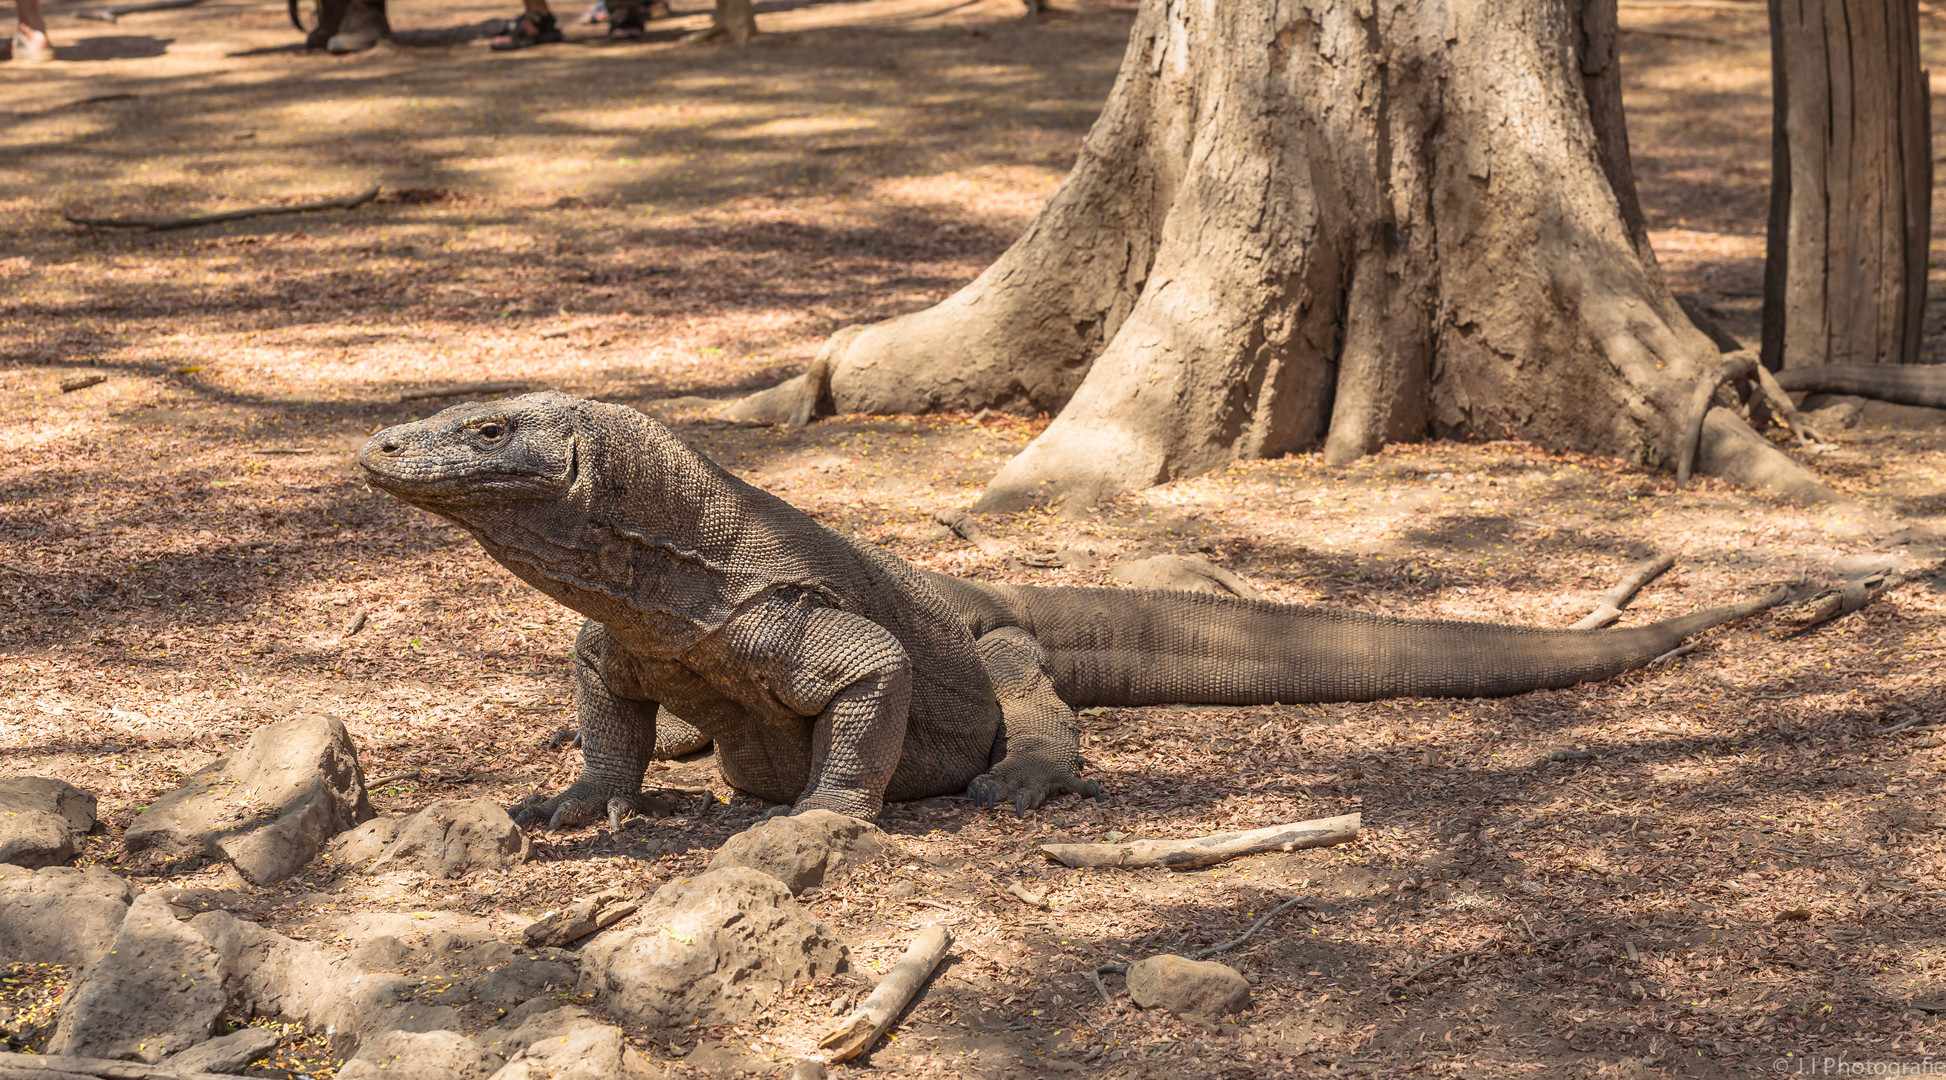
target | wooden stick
[
  {"x": 457, "y": 389},
  {"x": 1207, "y": 850},
  {"x": 193, "y": 220},
  {"x": 111, "y": 14},
  {"x": 867, "y": 1022},
  {"x": 1610, "y": 608}
]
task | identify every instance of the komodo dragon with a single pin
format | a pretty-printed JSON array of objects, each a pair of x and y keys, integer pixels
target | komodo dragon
[{"x": 833, "y": 675}]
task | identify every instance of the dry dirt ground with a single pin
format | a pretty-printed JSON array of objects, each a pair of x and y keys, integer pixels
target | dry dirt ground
[{"x": 1731, "y": 867}]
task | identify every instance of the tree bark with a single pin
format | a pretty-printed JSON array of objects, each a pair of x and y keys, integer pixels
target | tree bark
[
  {"x": 1851, "y": 185},
  {"x": 1347, "y": 221}
]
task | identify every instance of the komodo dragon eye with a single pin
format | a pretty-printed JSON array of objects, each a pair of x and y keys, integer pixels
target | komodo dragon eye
[{"x": 492, "y": 430}]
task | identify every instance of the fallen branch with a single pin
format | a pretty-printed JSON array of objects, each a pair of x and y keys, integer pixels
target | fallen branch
[
  {"x": 81, "y": 382},
  {"x": 193, "y": 220},
  {"x": 1610, "y": 608},
  {"x": 1207, "y": 850},
  {"x": 457, "y": 389},
  {"x": 869, "y": 1020},
  {"x": 1843, "y": 600}
]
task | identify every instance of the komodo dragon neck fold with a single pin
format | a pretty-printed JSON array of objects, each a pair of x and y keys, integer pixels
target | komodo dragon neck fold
[{"x": 831, "y": 674}]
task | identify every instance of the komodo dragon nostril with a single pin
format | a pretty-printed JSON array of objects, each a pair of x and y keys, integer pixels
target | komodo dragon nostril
[{"x": 389, "y": 448}]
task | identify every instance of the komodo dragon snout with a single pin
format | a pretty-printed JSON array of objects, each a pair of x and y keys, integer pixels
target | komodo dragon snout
[
  {"x": 833, "y": 675},
  {"x": 479, "y": 452}
]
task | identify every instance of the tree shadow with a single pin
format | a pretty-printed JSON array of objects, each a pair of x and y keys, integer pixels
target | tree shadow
[{"x": 118, "y": 47}]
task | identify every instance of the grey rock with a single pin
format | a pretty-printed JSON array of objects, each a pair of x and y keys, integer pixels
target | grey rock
[
  {"x": 525, "y": 980},
  {"x": 225, "y": 1053},
  {"x": 564, "y": 1043},
  {"x": 717, "y": 949},
  {"x": 1183, "y": 574},
  {"x": 36, "y": 838},
  {"x": 1198, "y": 989},
  {"x": 42, "y": 820},
  {"x": 268, "y": 974},
  {"x": 355, "y": 850},
  {"x": 428, "y": 1055},
  {"x": 158, "y": 991},
  {"x": 382, "y": 953},
  {"x": 19, "y": 794},
  {"x": 267, "y": 810},
  {"x": 60, "y": 915},
  {"x": 814, "y": 848},
  {"x": 452, "y": 836},
  {"x": 583, "y": 917}
]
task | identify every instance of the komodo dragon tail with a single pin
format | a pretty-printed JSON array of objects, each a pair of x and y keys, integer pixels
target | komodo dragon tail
[
  {"x": 1132, "y": 647},
  {"x": 1904, "y": 384}
]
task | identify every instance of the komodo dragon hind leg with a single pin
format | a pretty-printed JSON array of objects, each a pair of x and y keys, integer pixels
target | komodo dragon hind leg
[
  {"x": 618, "y": 738},
  {"x": 1039, "y": 749}
]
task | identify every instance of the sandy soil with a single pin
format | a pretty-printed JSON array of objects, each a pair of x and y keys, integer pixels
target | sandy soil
[{"x": 1743, "y": 869}]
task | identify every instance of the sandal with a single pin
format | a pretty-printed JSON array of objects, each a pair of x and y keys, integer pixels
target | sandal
[
  {"x": 627, "y": 22},
  {"x": 527, "y": 29},
  {"x": 31, "y": 50}
]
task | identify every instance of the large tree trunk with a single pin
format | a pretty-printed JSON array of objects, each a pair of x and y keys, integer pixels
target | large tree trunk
[
  {"x": 1851, "y": 184},
  {"x": 1347, "y": 220}
]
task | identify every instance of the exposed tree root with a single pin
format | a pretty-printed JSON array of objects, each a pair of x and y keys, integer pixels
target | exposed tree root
[{"x": 1903, "y": 384}]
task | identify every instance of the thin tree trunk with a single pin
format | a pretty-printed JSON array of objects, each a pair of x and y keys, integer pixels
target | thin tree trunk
[
  {"x": 1851, "y": 184},
  {"x": 1339, "y": 221}
]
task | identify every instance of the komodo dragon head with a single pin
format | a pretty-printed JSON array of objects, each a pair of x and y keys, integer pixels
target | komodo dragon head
[
  {"x": 468, "y": 461},
  {"x": 601, "y": 508}
]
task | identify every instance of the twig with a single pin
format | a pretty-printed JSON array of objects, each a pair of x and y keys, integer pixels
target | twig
[
  {"x": 281, "y": 450},
  {"x": 193, "y": 220},
  {"x": 1431, "y": 964},
  {"x": 1670, "y": 657},
  {"x": 1206, "y": 850},
  {"x": 1245, "y": 936},
  {"x": 869, "y": 1020},
  {"x": 1024, "y": 895},
  {"x": 1917, "y": 721},
  {"x": 110, "y": 14},
  {"x": 356, "y": 622},
  {"x": 456, "y": 389},
  {"x": 1611, "y": 605}
]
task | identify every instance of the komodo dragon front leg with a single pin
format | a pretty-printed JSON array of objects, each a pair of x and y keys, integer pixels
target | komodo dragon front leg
[
  {"x": 618, "y": 738},
  {"x": 1038, "y": 752}
]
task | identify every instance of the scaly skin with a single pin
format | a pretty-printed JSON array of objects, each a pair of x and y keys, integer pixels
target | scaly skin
[{"x": 832, "y": 675}]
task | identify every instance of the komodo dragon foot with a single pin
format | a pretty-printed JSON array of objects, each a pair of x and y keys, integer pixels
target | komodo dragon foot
[
  {"x": 1026, "y": 784},
  {"x": 584, "y": 803}
]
